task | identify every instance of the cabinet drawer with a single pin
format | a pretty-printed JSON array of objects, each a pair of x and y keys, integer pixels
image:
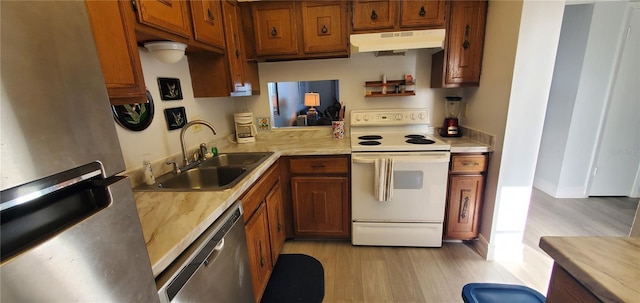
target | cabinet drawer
[
  {"x": 468, "y": 163},
  {"x": 319, "y": 165}
]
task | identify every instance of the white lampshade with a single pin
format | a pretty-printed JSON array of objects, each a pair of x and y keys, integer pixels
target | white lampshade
[
  {"x": 311, "y": 99},
  {"x": 166, "y": 51}
]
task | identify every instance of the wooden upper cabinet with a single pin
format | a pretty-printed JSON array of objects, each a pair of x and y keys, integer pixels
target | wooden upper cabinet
[
  {"x": 422, "y": 13},
  {"x": 460, "y": 63},
  {"x": 115, "y": 42},
  {"x": 390, "y": 15},
  {"x": 234, "y": 40},
  {"x": 275, "y": 28},
  {"x": 168, "y": 15},
  {"x": 323, "y": 25},
  {"x": 373, "y": 14},
  {"x": 207, "y": 22}
]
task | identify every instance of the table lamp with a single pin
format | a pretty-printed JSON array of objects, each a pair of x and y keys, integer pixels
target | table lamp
[{"x": 312, "y": 99}]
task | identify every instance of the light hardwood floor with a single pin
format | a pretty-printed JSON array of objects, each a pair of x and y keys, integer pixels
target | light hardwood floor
[{"x": 402, "y": 274}]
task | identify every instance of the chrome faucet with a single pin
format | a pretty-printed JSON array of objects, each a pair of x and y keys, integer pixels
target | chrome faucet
[{"x": 184, "y": 147}]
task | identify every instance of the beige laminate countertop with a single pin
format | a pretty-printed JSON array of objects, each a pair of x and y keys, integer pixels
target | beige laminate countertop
[
  {"x": 465, "y": 145},
  {"x": 608, "y": 267},
  {"x": 171, "y": 221}
]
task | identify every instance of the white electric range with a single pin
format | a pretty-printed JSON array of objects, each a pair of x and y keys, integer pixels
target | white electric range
[{"x": 411, "y": 210}]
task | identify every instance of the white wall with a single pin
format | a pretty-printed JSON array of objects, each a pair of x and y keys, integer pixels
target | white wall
[
  {"x": 156, "y": 142},
  {"x": 520, "y": 48},
  {"x": 595, "y": 79},
  {"x": 564, "y": 88},
  {"x": 351, "y": 74}
]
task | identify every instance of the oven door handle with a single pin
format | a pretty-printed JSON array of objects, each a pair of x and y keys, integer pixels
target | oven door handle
[{"x": 425, "y": 158}]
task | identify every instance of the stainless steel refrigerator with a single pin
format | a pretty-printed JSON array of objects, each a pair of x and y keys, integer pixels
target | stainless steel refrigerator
[{"x": 70, "y": 230}]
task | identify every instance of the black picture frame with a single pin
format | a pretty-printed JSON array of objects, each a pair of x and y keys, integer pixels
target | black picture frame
[
  {"x": 136, "y": 116},
  {"x": 176, "y": 117},
  {"x": 170, "y": 89}
]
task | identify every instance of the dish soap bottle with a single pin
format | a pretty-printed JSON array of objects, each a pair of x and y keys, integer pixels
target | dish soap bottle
[{"x": 149, "y": 179}]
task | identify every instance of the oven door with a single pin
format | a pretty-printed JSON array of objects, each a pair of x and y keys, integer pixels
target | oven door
[{"x": 419, "y": 187}]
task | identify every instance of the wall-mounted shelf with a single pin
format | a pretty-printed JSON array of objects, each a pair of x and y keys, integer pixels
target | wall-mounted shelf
[{"x": 391, "y": 91}]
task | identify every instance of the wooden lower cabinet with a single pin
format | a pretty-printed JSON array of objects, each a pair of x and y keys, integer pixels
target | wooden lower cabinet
[
  {"x": 260, "y": 260},
  {"x": 275, "y": 215},
  {"x": 465, "y": 194},
  {"x": 464, "y": 198},
  {"x": 264, "y": 227},
  {"x": 320, "y": 206}
]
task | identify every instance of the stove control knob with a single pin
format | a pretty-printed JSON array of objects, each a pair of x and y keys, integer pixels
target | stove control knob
[
  {"x": 366, "y": 117},
  {"x": 398, "y": 117},
  {"x": 413, "y": 116},
  {"x": 358, "y": 117},
  {"x": 421, "y": 116}
]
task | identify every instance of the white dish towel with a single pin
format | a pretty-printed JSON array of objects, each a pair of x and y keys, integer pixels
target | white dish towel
[{"x": 383, "y": 179}]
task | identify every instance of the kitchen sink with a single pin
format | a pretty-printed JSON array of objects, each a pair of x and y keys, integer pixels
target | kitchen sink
[
  {"x": 205, "y": 178},
  {"x": 216, "y": 174}
]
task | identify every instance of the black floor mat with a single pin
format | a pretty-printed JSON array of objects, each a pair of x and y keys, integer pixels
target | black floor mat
[{"x": 295, "y": 278}]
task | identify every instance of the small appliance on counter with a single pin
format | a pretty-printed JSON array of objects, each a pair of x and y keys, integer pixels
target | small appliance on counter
[
  {"x": 451, "y": 111},
  {"x": 245, "y": 128}
]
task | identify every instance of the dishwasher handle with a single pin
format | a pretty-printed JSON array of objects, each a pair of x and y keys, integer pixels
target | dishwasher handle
[{"x": 214, "y": 253}]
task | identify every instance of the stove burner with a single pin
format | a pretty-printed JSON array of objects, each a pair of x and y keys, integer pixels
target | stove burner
[
  {"x": 420, "y": 141},
  {"x": 369, "y": 143},
  {"x": 414, "y": 136},
  {"x": 370, "y": 137}
]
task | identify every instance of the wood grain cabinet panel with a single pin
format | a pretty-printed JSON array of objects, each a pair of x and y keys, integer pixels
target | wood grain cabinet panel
[
  {"x": 323, "y": 26},
  {"x": 207, "y": 20},
  {"x": 168, "y": 15},
  {"x": 319, "y": 206},
  {"x": 373, "y": 15},
  {"x": 257, "y": 232},
  {"x": 460, "y": 63},
  {"x": 465, "y": 194},
  {"x": 425, "y": 13},
  {"x": 275, "y": 215},
  {"x": 275, "y": 28},
  {"x": 115, "y": 41}
]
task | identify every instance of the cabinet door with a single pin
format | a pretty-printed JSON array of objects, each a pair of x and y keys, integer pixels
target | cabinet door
[
  {"x": 275, "y": 28},
  {"x": 373, "y": 14},
  {"x": 259, "y": 251},
  {"x": 118, "y": 52},
  {"x": 465, "y": 196},
  {"x": 234, "y": 43},
  {"x": 275, "y": 216},
  {"x": 207, "y": 22},
  {"x": 465, "y": 42},
  {"x": 169, "y": 15},
  {"x": 324, "y": 27},
  {"x": 423, "y": 14},
  {"x": 320, "y": 206}
]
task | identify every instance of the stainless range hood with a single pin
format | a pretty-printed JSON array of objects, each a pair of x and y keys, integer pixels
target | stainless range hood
[{"x": 397, "y": 42}]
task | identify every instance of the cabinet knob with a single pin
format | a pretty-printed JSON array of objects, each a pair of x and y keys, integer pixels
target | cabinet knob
[
  {"x": 274, "y": 31},
  {"x": 374, "y": 15},
  {"x": 210, "y": 14},
  {"x": 324, "y": 29},
  {"x": 422, "y": 12}
]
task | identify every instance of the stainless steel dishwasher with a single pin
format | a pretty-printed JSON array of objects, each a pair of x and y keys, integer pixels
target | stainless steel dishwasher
[{"x": 215, "y": 268}]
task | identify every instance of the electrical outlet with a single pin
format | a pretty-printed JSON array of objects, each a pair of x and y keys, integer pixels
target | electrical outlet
[
  {"x": 466, "y": 109},
  {"x": 196, "y": 128}
]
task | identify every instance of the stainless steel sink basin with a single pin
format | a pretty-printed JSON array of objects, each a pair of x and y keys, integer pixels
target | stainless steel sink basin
[
  {"x": 204, "y": 178},
  {"x": 218, "y": 173},
  {"x": 236, "y": 159}
]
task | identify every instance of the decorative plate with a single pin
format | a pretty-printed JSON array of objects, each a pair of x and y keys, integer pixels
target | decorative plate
[{"x": 136, "y": 116}]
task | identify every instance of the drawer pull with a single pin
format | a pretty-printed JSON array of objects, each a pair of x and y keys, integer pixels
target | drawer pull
[
  {"x": 422, "y": 12},
  {"x": 317, "y": 165},
  {"x": 470, "y": 163}
]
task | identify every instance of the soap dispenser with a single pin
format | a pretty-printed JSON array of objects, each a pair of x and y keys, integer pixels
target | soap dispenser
[{"x": 149, "y": 179}]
